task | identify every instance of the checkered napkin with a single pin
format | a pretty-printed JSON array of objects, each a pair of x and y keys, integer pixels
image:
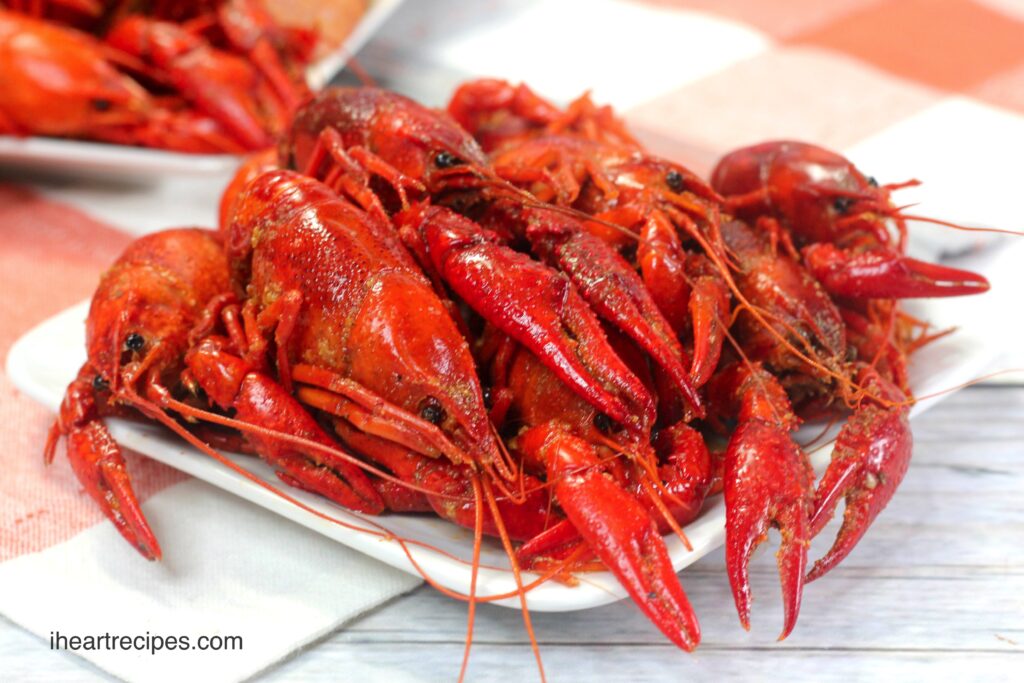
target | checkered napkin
[
  {"x": 928, "y": 89},
  {"x": 907, "y": 88}
]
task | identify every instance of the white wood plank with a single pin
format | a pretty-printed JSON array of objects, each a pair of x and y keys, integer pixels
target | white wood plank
[
  {"x": 962, "y": 610},
  {"x": 440, "y": 662}
]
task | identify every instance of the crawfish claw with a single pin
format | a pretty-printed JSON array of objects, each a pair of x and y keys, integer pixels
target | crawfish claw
[
  {"x": 871, "y": 456},
  {"x": 883, "y": 274},
  {"x": 768, "y": 481},
  {"x": 618, "y": 529},
  {"x": 99, "y": 465}
]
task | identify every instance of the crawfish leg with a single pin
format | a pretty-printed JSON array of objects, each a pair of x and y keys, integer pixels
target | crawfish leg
[
  {"x": 222, "y": 309},
  {"x": 263, "y": 401},
  {"x": 260, "y": 401},
  {"x": 448, "y": 489},
  {"x": 662, "y": 265},
  {"x": 675, "y": 280},
  {"x": 685, "y": 474},
  {"x": 709, "y": 316},
  {"x": 282, "y": 315},
  {"x": 347, "y": 399},
  {"x": 537, "y": 550},
  {"x": 348, "y": 170},
  {"x": 756, "y": 200},
  {"x": 331, "y": 162}
]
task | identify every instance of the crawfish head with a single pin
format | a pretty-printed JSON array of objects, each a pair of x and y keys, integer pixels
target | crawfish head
[
  {"x": 42, "y": 63},
  {"x": 366, "y": 314},
  {"x": 424, "y": 144},
  {"x": 818, "y": 194},
  {"x": 666, "y": 179},
  {"x": 145, "y": 304}
]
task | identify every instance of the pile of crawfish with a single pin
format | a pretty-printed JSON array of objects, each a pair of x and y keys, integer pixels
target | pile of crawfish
[
  {"x": 515, "y": 317},
  {"x": 206, "y": 76}
]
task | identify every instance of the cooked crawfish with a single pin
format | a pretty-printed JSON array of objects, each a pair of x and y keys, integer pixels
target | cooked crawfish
[
  {"x": 423, "y": 153},
  {"x": 136, "y": 338},
  {"x": 840, "y": 218},
  {"x": 364, "y": 338},
  {"x": 534, "y": 342},
  {"x": 796, "y": 195},
  {"x": 59, "y": 82},
  {"x": 227, "y": 80}
]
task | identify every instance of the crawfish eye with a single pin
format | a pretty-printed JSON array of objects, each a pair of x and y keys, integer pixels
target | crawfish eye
[
  {"x": 842, "y": 204},
  {"x": 134, "y": 341},
  {"x": 674, "y": 180},
  {"x": 100, "y": 104},
  {"x": 603, "y": 423},
  {"x": 431, "y": 411},
  {"x": 446, "y": 160},
  {"x": 99, "y": 384},
  {"x": 488, "y": 396},
  {"x": 872, "y": 182}
]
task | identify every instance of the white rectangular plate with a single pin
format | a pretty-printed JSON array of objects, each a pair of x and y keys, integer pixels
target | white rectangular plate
[
  {"x": 45, "y": 359},
  {"x": 80, "y": 157}
]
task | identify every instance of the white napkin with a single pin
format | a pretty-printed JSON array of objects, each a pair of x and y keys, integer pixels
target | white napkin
[{"x": 229, "y": 569}]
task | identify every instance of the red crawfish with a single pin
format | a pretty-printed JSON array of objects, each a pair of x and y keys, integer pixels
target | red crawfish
[
  {"x": 655, "y": 205},
  {"x": 136, "y": 338},
  {"x": 813, "y": 199},
  {"x": 613, "y": 510},
  {"x": 583, "y": 158},
  {"x": 424, "y": 154},
  {"x": 61, "y": 82},
  {"x": 357, "y": 328},
  {"x": 838, "y": 217},
  {"x": 794, "y": 328}
]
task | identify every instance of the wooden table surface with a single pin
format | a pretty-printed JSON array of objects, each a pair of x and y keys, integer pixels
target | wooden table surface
[{"x": 935, "y": 590}]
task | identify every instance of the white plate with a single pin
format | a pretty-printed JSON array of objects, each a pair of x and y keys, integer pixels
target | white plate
[
  {"x": 45, "y": 359},
  {"x": 79, "y": 157}
]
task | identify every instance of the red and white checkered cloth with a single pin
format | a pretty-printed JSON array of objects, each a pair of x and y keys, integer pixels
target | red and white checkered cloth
[{"x": 932, "y": 89}]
